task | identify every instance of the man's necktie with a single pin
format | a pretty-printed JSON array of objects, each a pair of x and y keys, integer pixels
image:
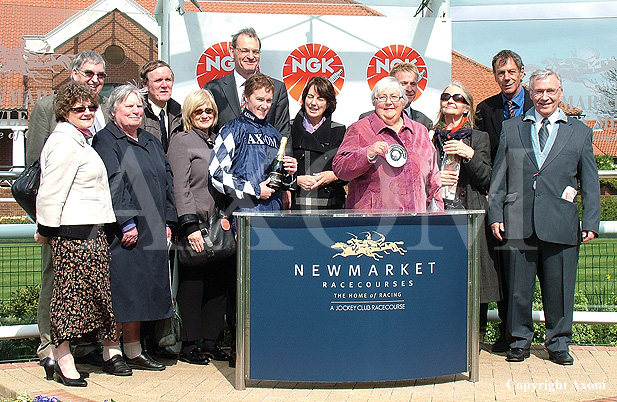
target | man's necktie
[
  {"x": 164, "y": 139},
  {"x": 510, "y": 105},
  {"x": 242, "y": 100},
  {"x": 543, "y": 134}
]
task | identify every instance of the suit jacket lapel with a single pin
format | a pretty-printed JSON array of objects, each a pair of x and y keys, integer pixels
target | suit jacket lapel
[
  {"x": 524, "y": 131},
  {"x": 563, "y": 137},
  {"x": 229, "y": 89}
]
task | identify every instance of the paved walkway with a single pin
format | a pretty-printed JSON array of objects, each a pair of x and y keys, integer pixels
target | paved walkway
[{"x": 593, "y": 377}]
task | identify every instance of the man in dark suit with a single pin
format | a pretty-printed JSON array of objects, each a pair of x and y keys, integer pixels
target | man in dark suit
[
  {"x": 228, "y": 90},
  {"x": 162, "y": 115},
  {"x": 512, "y": 101},
  {"x": 542, "y": 157},
  {"x": 407, "y": 74},
  {"x": 89, "y": 67}
]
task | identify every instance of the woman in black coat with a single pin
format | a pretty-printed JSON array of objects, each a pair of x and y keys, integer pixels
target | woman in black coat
[
  {"x": 466, "y": 185},
  {"x": 142, "y": 195},
  {"x": 316, "y": 138}
]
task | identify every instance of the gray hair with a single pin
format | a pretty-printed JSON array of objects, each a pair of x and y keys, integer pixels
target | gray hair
[
  {"x": 118, "y": 95},
  {"x": 388, "y": 83},
  {"x": 87, "y": 56},
  {"x": 542, "y": 74},
  {"x": 250, "y": 32}
]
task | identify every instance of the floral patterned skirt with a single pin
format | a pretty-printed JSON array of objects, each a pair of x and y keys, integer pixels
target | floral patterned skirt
[{"x": 81, "y": 297}]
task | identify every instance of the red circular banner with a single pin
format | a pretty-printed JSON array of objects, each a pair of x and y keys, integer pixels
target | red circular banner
[
  {"x": 214, "y": 62},
  {"x": 308, "y": 61},
  {"x": 389, "y": 56}
]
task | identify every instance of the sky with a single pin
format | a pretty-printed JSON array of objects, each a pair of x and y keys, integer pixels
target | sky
[{"x": 575, "y": 38}]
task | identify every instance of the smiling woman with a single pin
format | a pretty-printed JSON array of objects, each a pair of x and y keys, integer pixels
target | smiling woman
[{"x": 387, "y": 158}]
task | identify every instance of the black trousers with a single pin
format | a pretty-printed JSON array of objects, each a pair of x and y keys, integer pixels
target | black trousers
[{"x": 202, "y": 299}]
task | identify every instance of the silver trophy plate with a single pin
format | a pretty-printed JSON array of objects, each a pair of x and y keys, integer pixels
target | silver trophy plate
[{"x": 396, "y": 155}]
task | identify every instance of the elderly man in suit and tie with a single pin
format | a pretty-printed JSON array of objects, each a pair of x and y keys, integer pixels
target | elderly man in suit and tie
[
  {"x": 512, "y": 101},
  {"x": 228, "y": 90},
  {"x": 541, "y": 159}
]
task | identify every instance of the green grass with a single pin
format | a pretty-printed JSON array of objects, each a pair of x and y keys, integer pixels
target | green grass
[
  {"x": 597, "y": 273},
  {"x": 20, "y": 265}
]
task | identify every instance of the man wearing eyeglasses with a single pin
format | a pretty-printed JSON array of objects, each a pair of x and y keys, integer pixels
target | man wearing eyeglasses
[
  {"x": 89, "y": 67},
  {"x": 408, "y": 75},
  {"x": 542, "y": 157},
  {"x": 228, "y": 90},
  {"x": 162, "y": 115}
]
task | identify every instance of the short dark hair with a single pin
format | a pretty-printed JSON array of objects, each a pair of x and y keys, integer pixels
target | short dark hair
[
  {"x": 151, "y": 66},
  {"x": 258, "y": 81},
  {"x": 324, "y": 89},
  {"x": 87, "y": 56},
  {"x": 502, "y": 58},
  {"x": 250, "y": 32},
  {"x": 71, "y": 93}
]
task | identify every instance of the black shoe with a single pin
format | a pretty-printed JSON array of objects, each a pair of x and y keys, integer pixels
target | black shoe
[
  {"x": 94, "y": 358},
  {"x": 232, "y": 359},
  {"x": 517, "y": 354},
  {"x": 562, "y": 357},
  {"x": 69, "y": 382},
  {"x": 117, "y": 366},
  {"x": 48, "y": 364},
  {"x": 500, "y": 346},
  {"x": 144, "y": 362},
  {"x": 164, "y": 353},
  {"x": 193, "y": 356},
  {"x": 215, "y": 353}
]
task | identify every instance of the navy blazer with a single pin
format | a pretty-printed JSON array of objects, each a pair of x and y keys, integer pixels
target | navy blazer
[
  {"x": 513, "y": 200},
  {"x": 226, "y": 98},
  {"x": 489, "y": 117}
]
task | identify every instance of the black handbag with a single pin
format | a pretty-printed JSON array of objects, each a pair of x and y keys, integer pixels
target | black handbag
[
  {"x": 219, "y": 241},
  {"x": 26, "y": 187}
]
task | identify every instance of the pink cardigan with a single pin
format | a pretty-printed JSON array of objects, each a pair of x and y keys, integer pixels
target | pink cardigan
[{"x": 379, "y": 186}]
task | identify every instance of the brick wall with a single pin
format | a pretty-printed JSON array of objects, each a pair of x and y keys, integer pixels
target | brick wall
[{"x": 9, "y": 208}]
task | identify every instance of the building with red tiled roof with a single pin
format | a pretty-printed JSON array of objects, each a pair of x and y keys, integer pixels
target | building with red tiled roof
[{"x": 477, "y": 78}]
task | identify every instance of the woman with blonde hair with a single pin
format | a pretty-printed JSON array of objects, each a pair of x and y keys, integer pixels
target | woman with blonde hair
[{"x": 201, "y": 290}]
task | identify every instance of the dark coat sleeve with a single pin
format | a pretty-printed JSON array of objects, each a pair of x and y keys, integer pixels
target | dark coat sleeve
[
  {"x": 108, "y": 148},
  {"x": 478, "y": 168}
]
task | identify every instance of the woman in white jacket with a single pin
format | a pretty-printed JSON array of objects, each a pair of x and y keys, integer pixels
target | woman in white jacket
[{"x": 73, "y": 205}]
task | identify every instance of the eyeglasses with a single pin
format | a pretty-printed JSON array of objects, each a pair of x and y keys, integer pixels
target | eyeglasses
[
  {"x": 456, "y": 97},
  {"x": 540, "y": 92},
  {"x": 82, "y": 109},
  {"x": 244, "y": 51},
  {"x": 90, "y": 74},
  {"x": 199, "y": 112},
  {"x": 393, "y": 98}
]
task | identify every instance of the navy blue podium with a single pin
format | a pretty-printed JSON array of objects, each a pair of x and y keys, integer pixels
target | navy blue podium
[{"x": 353, "y": 297}]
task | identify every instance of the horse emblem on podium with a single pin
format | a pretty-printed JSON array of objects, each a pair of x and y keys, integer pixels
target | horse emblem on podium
[{"x": 369, "y": 247}]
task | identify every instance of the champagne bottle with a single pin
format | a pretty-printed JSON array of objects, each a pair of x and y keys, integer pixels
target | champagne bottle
[{"x": 277, "y": 170}]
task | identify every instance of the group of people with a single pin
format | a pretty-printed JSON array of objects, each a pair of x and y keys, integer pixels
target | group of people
[{"x": 118, "y": 187}]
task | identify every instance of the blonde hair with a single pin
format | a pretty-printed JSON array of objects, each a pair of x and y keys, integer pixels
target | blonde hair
[
  {"x": 194, "y": 100},
  {"x": 468, "y": 97}
]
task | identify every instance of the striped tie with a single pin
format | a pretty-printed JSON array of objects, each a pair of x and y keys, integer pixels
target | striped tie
[
  {"x": 543, "y": 134},
  {"x": 510, "y": 105}
]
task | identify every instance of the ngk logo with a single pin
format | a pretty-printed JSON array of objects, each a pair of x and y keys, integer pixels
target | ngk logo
[
  {"x": 389, "y": 56},
  {"x": 308, "y": 61},
  {"x": 214, "y": 62}
]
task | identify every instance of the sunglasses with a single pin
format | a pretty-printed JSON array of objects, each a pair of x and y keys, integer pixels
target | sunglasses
[
  {"x": 89, "y": 74},
  {"x": 82, "y": 109},
  {"x": 199, "y": 112},
  {"x": 457, "y": 98}
]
